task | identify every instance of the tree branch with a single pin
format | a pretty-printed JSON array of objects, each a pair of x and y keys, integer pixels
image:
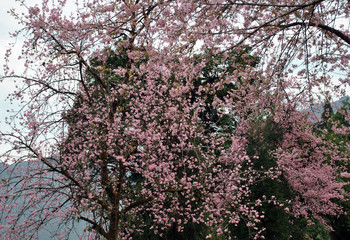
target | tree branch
[
  {"x": 97, "y": 227},
  {"x": 137, "y": 203},
  {"x": 321, "y": 26}
]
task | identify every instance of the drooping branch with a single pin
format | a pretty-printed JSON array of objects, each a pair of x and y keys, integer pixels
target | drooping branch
[
  {"x": 242, "y": 3},
  {"x": 272, "y": 21},
  {"x": 321, "y": 26},
  {"x": 44, "y": 84},
  {"x": 80, "y": 58}
]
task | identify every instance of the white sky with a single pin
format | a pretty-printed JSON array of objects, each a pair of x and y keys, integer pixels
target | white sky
[{"x": 9, "y": 24}]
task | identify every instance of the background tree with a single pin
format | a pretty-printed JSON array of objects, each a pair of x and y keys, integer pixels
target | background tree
[
  {"x": 151, "y": 119},
  {"x": 333, "y": 127}
]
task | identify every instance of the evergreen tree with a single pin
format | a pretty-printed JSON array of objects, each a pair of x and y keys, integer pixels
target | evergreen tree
[{"x": 330, "y": 128}]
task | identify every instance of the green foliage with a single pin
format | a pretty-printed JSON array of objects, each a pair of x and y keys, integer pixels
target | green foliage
[
  {"x": 325, "y": 129},
  {"x": 191, "y": 232},
  {"x": 317, "y": 231},
  {"x": 263, "y": 138},
  {"x": 218, "y": 66}
]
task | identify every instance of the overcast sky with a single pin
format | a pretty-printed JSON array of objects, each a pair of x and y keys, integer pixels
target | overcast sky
[{"x": 8, "y": 24}]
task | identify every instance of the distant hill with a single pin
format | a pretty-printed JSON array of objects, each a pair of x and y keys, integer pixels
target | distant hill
[
  {"x": 317, "y": 109},
  {"x": 47, "y": 232},
  {"x": 341, "y": 101}
]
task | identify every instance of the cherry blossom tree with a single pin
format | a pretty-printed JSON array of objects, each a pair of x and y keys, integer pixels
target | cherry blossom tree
[
  {"x": 120, "y": 128},
  {"x": 331, "y": 127}
]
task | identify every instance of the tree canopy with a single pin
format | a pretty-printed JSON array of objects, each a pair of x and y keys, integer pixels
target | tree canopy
[{"x": 148, "y": 118}]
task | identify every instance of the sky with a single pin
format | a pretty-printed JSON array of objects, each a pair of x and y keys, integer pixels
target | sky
[{"x": 8, "y": 24}]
